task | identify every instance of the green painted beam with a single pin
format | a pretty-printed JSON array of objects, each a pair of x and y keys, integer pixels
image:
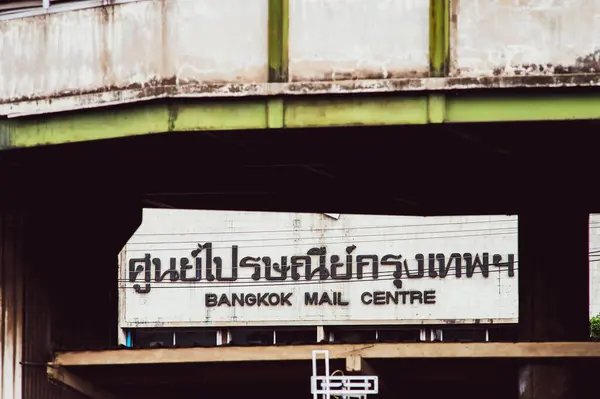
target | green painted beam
[
  {"x": 293, "y": 112},
  {"x": 278, "y": 40},
  {"x": 133, "y": 121},
  {"x": 355, "y": 111},
  {"x": 439, "y": 37},
  {"x": 515, "y": 108}
]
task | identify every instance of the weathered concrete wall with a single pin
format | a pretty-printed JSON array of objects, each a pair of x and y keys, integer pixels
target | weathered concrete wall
[
  {"x": 128, "y": 51},
  {"x": 525, "y": 37},
  {"x": 358, "y": 39},
  {"x": 133, "y": 45}
]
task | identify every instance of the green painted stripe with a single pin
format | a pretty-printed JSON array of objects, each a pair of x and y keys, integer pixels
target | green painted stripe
[
  {"x": 278, "y": 40},
  {"x": 439, "y": 37},
  {"x": 293, "y": 112},
  {"x": 148, "y": 119},
  {"x": 436, "y": 107},
  {"x": 514, "y": 108},
  {"x": 355, "y": 111},
  {"x": 275, "y": 113}
]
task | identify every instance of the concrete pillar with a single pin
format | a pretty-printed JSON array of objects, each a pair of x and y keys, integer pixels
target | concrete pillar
[{"x": 553, "y": 293}]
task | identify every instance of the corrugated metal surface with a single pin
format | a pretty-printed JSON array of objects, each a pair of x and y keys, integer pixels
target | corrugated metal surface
[
  {"x": 26, "y": 312},
  {"x": 37, "y": 286},
  {"x": 70, "y": 297},
  {"x": 11, "y": 298}
]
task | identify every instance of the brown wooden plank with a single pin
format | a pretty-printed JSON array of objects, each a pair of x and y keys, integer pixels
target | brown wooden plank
[{"x": 367, "y": 351}]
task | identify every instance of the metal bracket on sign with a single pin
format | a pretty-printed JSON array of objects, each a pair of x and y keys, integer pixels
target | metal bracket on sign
[{"x": 346, "y": 386}]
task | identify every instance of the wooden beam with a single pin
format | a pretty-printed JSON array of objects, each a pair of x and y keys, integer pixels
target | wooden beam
[
  {"x": 367, "y": 351},
  {"x": 65, "y": 377}
]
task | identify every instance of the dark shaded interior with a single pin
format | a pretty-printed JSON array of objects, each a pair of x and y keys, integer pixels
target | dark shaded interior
[
  {"x": 84, "y": 196},
  {"x": 410, "y": 170},
  {"x": 422, "y": 378}
]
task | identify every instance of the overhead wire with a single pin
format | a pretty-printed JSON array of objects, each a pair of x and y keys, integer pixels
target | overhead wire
[
  {"x": 467, "y": 222},
  {"x": 512, "y": 230},
  {"x": 593, "y": 224},
  {"x": 382, "y": 276},
  {"x": 321, "y": 243},
  {"x": 386, "y": 237},
  {"x": 349, "y": 241}
]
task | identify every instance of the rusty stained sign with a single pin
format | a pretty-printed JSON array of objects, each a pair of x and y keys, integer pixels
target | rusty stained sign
[{"x": 269, "y": 268}]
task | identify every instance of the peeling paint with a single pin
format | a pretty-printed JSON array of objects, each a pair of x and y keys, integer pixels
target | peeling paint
[
  {"x": 133, "y": 44},
  {"x": 299, "y": 111},
  {"x": 323, "y": 71},
  {"x": 449, "y": 321},
  {"x": 173, "y": 115},
  {"x": 5, "y": 135},
  {"x": 358, "y": 39},
  {"x": 525, "y": 38},
  {"x": 108, "y": 96},
  {"x": 78, "y": 59}
]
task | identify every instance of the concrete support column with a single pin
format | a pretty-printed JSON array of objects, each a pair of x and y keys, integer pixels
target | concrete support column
[{"x": 553, "y": 293}]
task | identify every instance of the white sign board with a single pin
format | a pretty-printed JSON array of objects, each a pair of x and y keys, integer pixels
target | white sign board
[{"x": 186, "y": 268}]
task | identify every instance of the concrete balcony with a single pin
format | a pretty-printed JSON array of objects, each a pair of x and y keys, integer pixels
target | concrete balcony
[{"x": 91, "y": 53}]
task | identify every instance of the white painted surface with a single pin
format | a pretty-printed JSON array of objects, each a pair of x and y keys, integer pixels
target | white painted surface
[
  {"x": 342, "y": 39},
  {"x": 133, "y": 45},
  {"x": 509, "y": 34},
  {"x": 594, "y": 264},
  {"x": 175, "y": 233}
]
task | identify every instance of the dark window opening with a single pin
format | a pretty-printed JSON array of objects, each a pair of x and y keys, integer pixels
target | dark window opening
[
  {"x": 195, "y": 338},
  {"x": 251, "y": 336},
  {"x": 296, "y": 336},
  {"x": 350, "y": 335},
  {"x": 153, "y": 339},
  {"x": 464, "y": 335},
  {"x": 392, "y": 335}
]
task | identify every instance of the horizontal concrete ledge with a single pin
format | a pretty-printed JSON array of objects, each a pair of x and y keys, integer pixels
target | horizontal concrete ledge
[
  {"x": 294, "y": 112},
  {"x": 111, "y": 96},
  {"x": 367, "y": 351}
]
